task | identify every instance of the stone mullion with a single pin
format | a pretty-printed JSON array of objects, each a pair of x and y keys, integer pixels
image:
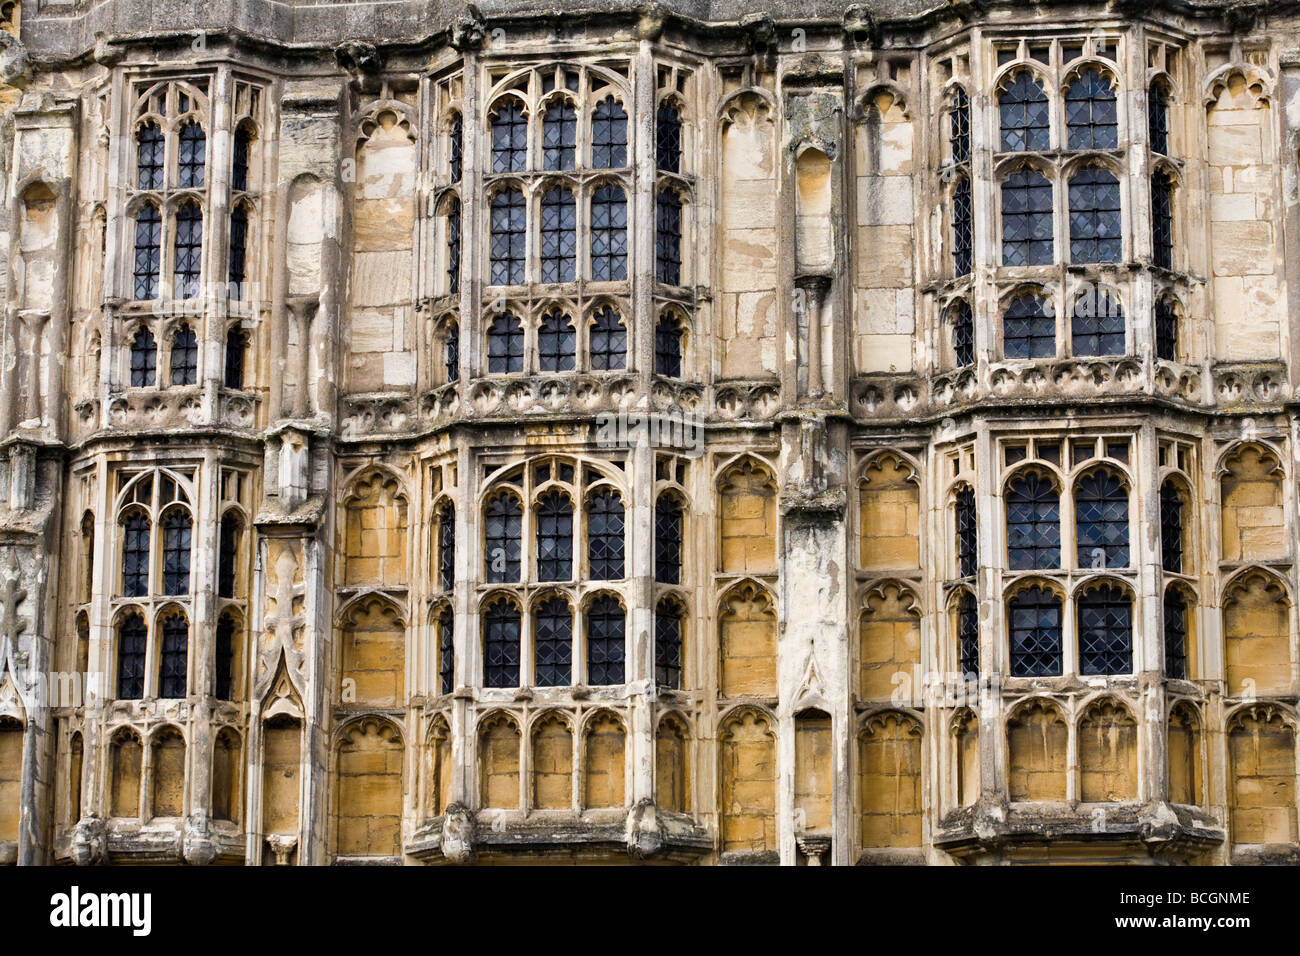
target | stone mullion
[
  {"x": 473, "y": 221},
  {"x": 994, "y": 770},
  {"x": 1147, "y": 644},
  {"x": 466, "y": 650},
  {"x": 216, "y": 259},
  {"x": 1139, "y": 311},
  {"x": 984, "y": 205}
]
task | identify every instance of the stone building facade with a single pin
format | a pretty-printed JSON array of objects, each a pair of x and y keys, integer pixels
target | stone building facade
[{"x": 696, "y": 432}]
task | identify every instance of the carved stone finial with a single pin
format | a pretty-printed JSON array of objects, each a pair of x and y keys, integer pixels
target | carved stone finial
[
  {"x": 362, "y": 61},
  {"x": 469, "y": 31},
  {"x": 860, "y": 24},
  {"x": 761, "y": 30},
  {"x": 458, "y": 834},
  {"x": 650, "y": 22}
]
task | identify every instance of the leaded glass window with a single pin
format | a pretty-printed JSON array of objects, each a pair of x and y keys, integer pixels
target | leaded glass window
[
  {"x": 669, "y": 617},
  {"x": 1166, "y": 331},
  {"x": 1033, "y": 523},
  {"x": 605, "y": 536},
  {"x": 668, "y": 138},
  {"x": 1028, "y": 329},
  {"x": 240, "y": 153},
  {"x": 1035, "y": 633},
  {"x": 131, "y": 641},
  {"x": 191, "y": 146},
  {"x": 1175, "y": 635},
  {"x": 148, "y": 252},
  {"x": 505, "y": 345},
  {"x": 608, "y": 234},
  {"x": 509, "y": 218},
  {"x": 237, "y": 267},
  {"x": 668, "y": 347},
  {"x": 553, "y": 643},
  {"x": 185, "y": 356},
  {"x": 1162, "y": 220},
  {"x": 1027, "y": 233},
  {"x": 668, "y": 540},
  {"x": 1171, "y": 528},
  {"x": 559, "y": 235},
  {"x": 1158, "y": 119},
  {"x": 1023, "y": 112},
  {"x": 228, "y": 556},
  {"x": 608, "y": 342},
  {"x": 451, "y": 352},
  {"x": 446, "y": 650},
  {"x": 559, "y": 135},
  {"x": 605, "y": 643},
  {"x": 1097, "y": 325},
  {"x": 1094, "y": 217},
  {"x": 1091, "y": 120},
  {"x": 144, "y": 359},
  {"x": 453, "y": 246},
  {"x": 189, "y": 251},
  {"x": 1105, "y": 631},
  {"x": 608, "y": 135},
  {"x": 668, "y": 238},
  {"x": 501, "y": 631},
  {"x": 503, "y": 539},
  {"x": 1101, "y": 520},
  {"x": 149, "y": 158},
  {"x": 961, "y": 227},
  {"x": 554, "y": 537},
  {"x": 447, "y": 546},
  {"x": 236, "y": 353},
  {"x": 963, "y": 334},
  {"x": 959, "y": 126},
  {"x": 173, "y": 656},
  {"x": 456, "y": 149},
  {"x": 509, "y": 138},
  {"x": 225, "y": 662},
  {"x": 967, "y": 536},
  {"x": 176, "y": 552},
  {"x": 135, "y": 555},
  {"x": 557, "y": 344},
  {"x": 968, "y": 634}
]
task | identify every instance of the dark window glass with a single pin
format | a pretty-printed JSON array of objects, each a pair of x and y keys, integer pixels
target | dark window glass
[
  {"x": 505, "y": 345},
  {"x": 668, "y": 644},
  {"x": 236, "y": 353},
  {"x": 144, "y": 359},
  {"x": 239, "y": 158},
  {"x": 229, "y": 556},
  {"x": 963, "y": 334},
  {"x": 446, "y": 650},
  {"x": 1105, "y": 632},
  {"x": 1171, "y": 528},
  {"x": 668, "y": 347},
  {"x": 456, "y": 148},
  {"x": 605, "y": 641},
  {"x": 967, "y": 536},
  {"x": 961, "y": 227},
  {"x": 608, "y": 135},
  {"x": 1158, "y": 120},
  {"x": 131, "y": 640},
  {"x": 1028, "y": 329},
  {"x": 1094, "y": 217},
  {"x": 237, "y": 269},
  {"x": 968, "y": 634},
  {"x": 668, "y": 540},
  {"x": 172, "y": 657},
  {"x": 189, "y": 251},
  {"x": 1035, "y": 633},
  {"x": 1162, "y": 221},
  {"x": 191, "y": 144},
  {"x": 553, "y": 643},
  {"x": 509, "y": 139},
  {"x": 668, "y": 238},
  {"x": 185, "y": 356},
  {"x": 503, "y": 539},
  {"x": 559, "y": 236},
  {"x": 1175, "y": 635},
  {"x": 225, "y": 658},
  {"x": 451, "y": 352},
  {"x": 605, "y": 536},
  {"x": 501, "y": 630},
  {"x": 453, "y": 246},
  {"x": 1166, "y": 331},
  {"x": 447, "y": 546},
  {"x": 554, "y": 537},
  {"x": 148, "y": 252},
  {"x": 135, "y": 555},
  {"x": 1101, "y": 520},
  {"x": 1090, "y": 116},
  {"x": 557, "y": 344},
  {"x": 176, "y": 553},
  {"x": 608, "y": 234},
  {"x": 1022, "y": 109},
  {"x": 1097, "y": 325},
  {"x": 959, "y": 126},
  {"x": 608, "y": 341},
  {"x": 509, "y": 228},
  {"x": 668, "y": 138},
  {"x": 149, "y": 158},
  {"x": 559, "y": 136},
  {"x": 1033, "y": 523},
  {"x": 1027, "y": 238}
]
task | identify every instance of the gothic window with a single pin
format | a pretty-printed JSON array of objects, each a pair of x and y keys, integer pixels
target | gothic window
[
  {"x": 605, "y": 641},
  {"x": 668, "y": 347},
  {"x": 189, "y": 251},
  {"x": 172, "y": 656},
  {"x": 144, "y": 359},
  {"x": 236, "y": 353},
  {"x": 184, "y": 356},
  {"x": 1097, "y": 325},
  {"x": 453, "y": 245},
  {"x": 963, "y": 334},
  {"x": 191, "y": 144},
  {"x": 225, "y": 657},
  {"x": 149, "y": 158},
  {"x": 553, "y": 643},
  {"x": 240, "y": 151},
  {"x": 446, "y": 650},
  {"x": 608, "y": 234},
  {"x": 967, "y": 541},
  {"x": 451, "y": 352},
  {"x": 1171, "y": 528},
  {"x": 447, "y": 546},
  {"x": 176, "y": 552},
  {"x": 669, "y": 618},
  {"x": 668, "y": 138},
  {"x": 554, "y": 537},
  {"x": 1166, "y": 331},
  {"x": 556, "y": 344},
  {"x": 1027, "y": 237},
  {"x": 559, "y": 235},
  {"x": 1175, "y": 635},
  {"x": 509, "y": 138},
  {"x": 228, "y": 556},
  {"x": 237, "y": 269},
  {"x": 503, "y": 538},
  {"x": 501, "y": 630},
  {"x": 607, "y": 341},
  {"x": 1028, "y": 329},
  {"x": 456, "y": 148},
  {"x": 1035, "y": 633},
  {"x": 1162, "y": 220},
  {"x": 1105, "y": 631},
  {"x": 959, "y": 127},
  {"x": 605, "y": 536},
  {"x": 668, "y": 238},
  {"x": 608, "y": 135},
  {"x": 148, "y": 254},
  {"x": 131, "y": 639},
  {"x": 1022, "y": 109},
  {"x": 1033, "y": 523},
  {"x": 1090, "y": 112},
  {"x": 135, "y": 555},
  {"x": 505, "y": 345},
  {"x": 668, "y": 540},
  {"x": 1094, "y": 217},
  {"x": 961, "y": 227},
  {"x": 1101, "y": 520},
  {"x": 1158, "y": 119},
  {"x": 968, "y": 634},
  {"x": 509, "y": 226},
  {"x": 559, "y": 135}
]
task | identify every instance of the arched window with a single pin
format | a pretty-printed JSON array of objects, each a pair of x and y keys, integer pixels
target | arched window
[
  {"x": 668, "y": 138},
  {"x": 192, "y": 145},
  {"x": 509, "y": 221},
  {"x": 501, "y": 629},
  {"x": 608, "y": 234},
  {"x": 968, "y": 634},
  {"x": 1034, "y": 619},
  {"x": 1094, "y": 217},
  {"x": 1162, "y": 220},
  {"x": 1027, "y": 236},
  {"x": 1175, "y": 635},
  {"x": 608, "y": 135},
  {"x": 553, "y": 643},
  {"x": 1090, "y": 116},
  {"x": 559, "y": 135},
  {"x": 148, "y": 251},
  {"x": 669, "y": 617},
  {"x": 608, "y": 342},
  {"x": 1105, "y": 631},
  {"x": 447, "y": 546},
  {"x": 237, "y": 269},
  {"x": 605, "y": 536},
  {"x": 236, "y": 353},
  {"x": 451, "y": 352},
  {"x": 1166, "y": 331},
  {"x": 559, "y": 235},
  {"x": 189, "y": 251},
  {"x": 961, "y": 227},
  {"x": 509, "y": 138},
  {"x": 963, "y": 334},
  {"x": 176, "y": 552},
  {"x": 228, "y": 567},
  {"x": 1028, "y": 329},
  {"x": 225, "y": 657},
  {"x": 1171, "y": 528},
  {"x": 505, "y": 345},
  {"x": 240, "y": 152},
  {"x": 668, "y": 540},
  {"x": 1023, "y": 112},
  {"x": 185, "y": 356},
  {"x": 1097, "y": 325},
  {"x": 1033, "y": 523},
  {"x": 135, "y": 555},
  {"x": 144, "y": 359},
  {"x": 959, "y": 127},
  {"x": 554, "y": 537},
  {"x": 453, "y": 245},
  {"x": 557, "y": 344},
  {"x": 668, "y": 238},
  {"x": 456, "y": 148},
  {"x": 605, "y": 641},
  {"x": 131, "y": 640},
  {"x": 1158, "y": 119},
  {"x": 668, "y": 347},
  {"x": 967, "y": 537},
  {"x": 1101, "y": 520},
  {"x": 149, "y": 158},
  {"x": 446, "y": 649},
  {"x": 173, "y": 656},
  {"x": 503, "y": 538}
]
